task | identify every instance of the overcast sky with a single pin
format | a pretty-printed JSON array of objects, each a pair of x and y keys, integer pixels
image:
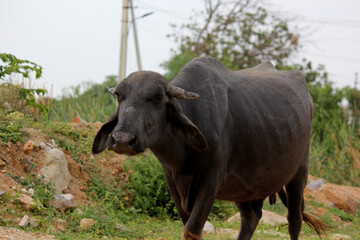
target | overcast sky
[{"x": 78, "y": 40}]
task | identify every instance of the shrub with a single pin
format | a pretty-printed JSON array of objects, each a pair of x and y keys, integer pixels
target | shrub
[
  {"x": 43, "y": 192},
  {"x": 147, "y": 186},
  {"x": 11, "y": 130}
]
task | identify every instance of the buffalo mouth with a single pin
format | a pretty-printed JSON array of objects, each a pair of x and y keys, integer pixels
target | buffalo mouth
[
  {"x": 128, "y": 153},
  {"x": 125, "y": 143}
]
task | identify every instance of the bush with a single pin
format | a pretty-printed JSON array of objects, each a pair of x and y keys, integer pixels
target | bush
[
  {"x": 11, "y": 130},
  {"x": 147, "y": 186},
  {"x": 43, "y": 192}
]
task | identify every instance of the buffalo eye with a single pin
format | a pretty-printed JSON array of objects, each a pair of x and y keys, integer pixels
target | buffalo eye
[{"x": 158, "y": 97}]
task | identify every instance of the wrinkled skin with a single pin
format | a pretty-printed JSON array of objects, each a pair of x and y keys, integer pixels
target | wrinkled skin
[{"x": 237, "y": 136}]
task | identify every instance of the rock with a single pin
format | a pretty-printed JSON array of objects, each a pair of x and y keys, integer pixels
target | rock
[
  {"x": 236, "y": 217},
  {"x": 2, "y": 193},
  {"x": 342, "y": 197},
  {"x": 28, "y": 164},
  {"x": 316, "y": 184},
  {"x": 2, "y": 164},
  {"x": 272, "y": 218},
  {"x": 24, "y": 190},
  {"x": 24, "y": 222},
  {"x": 56, "y": 170},
  {"x": 42, "y": 145},
  {"x": 78, "y": 211},
  {"x": 53, "y": 142},
  {"x": 86, "y": 223},
  {"x": 208, "y": 227},
  {"x": 29, "y": 146},
  {"x": 31, "y": 191},
  {"x": 63, "y": 202},
  {"x": 34, "y": 222},
  {"x": 27, "y": 202},
  {"x": 61, "y": 225}
]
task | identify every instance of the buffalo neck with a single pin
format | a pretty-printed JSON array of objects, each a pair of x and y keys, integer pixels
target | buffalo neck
[{"x": 170, "y": 150}]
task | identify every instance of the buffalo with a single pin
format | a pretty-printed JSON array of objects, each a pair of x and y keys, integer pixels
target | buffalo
[{"x": 239, "y": 136}]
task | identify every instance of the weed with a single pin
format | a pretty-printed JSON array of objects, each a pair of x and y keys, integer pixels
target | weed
[
  {"x": 11, "y": 131},
  {"x": 43, "y": 192},
  {"x": 69, "y": 138}
]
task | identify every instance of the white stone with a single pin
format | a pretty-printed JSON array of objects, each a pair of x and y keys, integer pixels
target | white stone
[
  {"x": 56, "y": 170},
  {"x": 31, "y": 191},
  {"x": 64, "y": 202},
  {"x": 236, "y": 217},
  {"x": 316, "y": 184},
  {"x": 208, "y": 227},
  {"x": 24, "y": 221},
  {"x": 53, "y": 142},
  {"x": 272, "y": 218},
  {"x": 23, "y": 190},
  {"x": 42, "y": 145}
]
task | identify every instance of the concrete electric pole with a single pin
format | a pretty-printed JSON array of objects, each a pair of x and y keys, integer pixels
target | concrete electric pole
[
  {"x": 128, "y": 4},
  {"x": 123, "y": 41}
]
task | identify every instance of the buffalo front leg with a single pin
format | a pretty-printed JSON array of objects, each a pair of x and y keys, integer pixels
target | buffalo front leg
[
  {"x": 199, "y": 213},
  {"x": 175, "y": 196},
  {"x": 250, "y": 213}
]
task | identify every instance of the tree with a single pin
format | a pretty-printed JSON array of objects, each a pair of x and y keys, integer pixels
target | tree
[
  {"x": 17, "y": 97},
  {"x": 239, "y": 33}
]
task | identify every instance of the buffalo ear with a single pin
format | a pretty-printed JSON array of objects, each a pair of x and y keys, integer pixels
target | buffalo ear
[
  {"x": 101, "y": 139},
  {"x": 183, "y": 127}
]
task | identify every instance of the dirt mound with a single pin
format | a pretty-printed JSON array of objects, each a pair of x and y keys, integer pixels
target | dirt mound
[{"x": 22, "y": 162}]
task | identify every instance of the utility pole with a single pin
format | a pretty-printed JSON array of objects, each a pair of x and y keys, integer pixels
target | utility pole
[
  {"x": 356, "y": 79},
  {"x": 135, "y": 36},
  {"x": 123, "y": 41}
]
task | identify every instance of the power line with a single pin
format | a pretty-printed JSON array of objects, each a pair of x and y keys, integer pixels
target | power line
[
  {"x": 338, "y": 39},
  {"x": 335, "y": 22},
  {"x": 334, "y": 57}
]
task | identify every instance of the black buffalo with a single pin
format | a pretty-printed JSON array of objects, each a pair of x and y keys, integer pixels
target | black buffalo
[{"x": 238, "y": 136}]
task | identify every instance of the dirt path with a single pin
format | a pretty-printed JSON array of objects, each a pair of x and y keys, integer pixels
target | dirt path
[{"x": 15, "y": 234}]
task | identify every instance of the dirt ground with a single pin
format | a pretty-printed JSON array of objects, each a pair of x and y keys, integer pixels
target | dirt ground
[{"x": 15, "y": 234}]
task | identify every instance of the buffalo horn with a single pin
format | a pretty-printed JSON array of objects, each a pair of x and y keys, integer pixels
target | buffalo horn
[{"x": 180, "y": 93}]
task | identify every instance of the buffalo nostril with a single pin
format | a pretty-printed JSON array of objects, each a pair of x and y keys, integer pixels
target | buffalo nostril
[
  {"x": 124, "y": 138},
  {"x": 132, "y": 141}
]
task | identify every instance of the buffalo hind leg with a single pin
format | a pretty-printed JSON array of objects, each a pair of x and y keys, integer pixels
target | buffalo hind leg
[
  {"x": 250, "y": 213},
  {"x": 295, "y": 202}
]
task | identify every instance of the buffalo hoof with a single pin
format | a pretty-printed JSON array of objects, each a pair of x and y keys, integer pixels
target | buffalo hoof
[{"x": 190, "y": 236}]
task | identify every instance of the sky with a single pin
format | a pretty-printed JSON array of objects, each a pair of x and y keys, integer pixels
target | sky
[{"x": 79, "y": 41}]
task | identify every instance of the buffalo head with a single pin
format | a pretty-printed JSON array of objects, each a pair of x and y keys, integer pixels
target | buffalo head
[{"x": 147, "y": 111}]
